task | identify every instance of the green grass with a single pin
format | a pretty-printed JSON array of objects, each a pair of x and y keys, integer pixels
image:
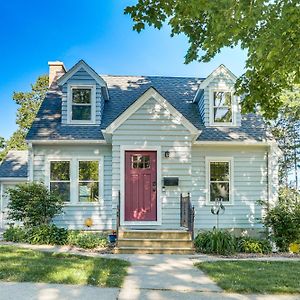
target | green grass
[
  {"x": 23, "y": 265},
  {"x": 254, "y": 276}
]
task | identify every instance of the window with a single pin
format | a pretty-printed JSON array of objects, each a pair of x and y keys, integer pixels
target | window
[
  {"x": 60, "y": 178},
  {"x": 81, "y": 104},
  {"x": 140, "y": 162},
  {"x": 88, "y": 186},
  {"x": 219, "y": 180},
  {"x": 222, "y": 107}
]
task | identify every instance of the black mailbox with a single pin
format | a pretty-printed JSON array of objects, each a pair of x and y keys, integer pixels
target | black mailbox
[{"x": 171, "y": 181}]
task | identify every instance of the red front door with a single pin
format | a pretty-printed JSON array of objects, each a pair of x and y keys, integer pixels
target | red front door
[{"x": 140, "y": 186}]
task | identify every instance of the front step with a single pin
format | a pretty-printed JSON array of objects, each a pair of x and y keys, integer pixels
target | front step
[{"x": 154, "y": 242}]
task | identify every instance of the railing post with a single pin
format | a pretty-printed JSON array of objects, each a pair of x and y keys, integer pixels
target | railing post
[{"x": 118, "y": 214}]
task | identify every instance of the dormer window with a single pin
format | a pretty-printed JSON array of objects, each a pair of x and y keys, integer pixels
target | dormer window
[
  {"x": 221, "y": 108},
  {"x": 81, "y": 104}
]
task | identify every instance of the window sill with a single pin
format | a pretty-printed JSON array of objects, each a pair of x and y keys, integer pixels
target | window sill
[{"x": 225, "y": 204}]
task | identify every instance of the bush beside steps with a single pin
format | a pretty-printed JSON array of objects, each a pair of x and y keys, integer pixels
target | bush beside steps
[
  {"x": 223, "y": 243},
  {"x": 53, "y": 235}
]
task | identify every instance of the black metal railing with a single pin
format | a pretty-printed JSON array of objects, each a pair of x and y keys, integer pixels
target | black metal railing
[
  {"x": 118, "y": 214},
  {"x": 187, "y": 213}
]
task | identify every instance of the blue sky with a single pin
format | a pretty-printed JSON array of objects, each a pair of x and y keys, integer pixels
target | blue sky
[{"x": 35, "y": 32}]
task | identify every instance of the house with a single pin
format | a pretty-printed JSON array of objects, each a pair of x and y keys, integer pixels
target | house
[
  {"x": 13, "y": 170},
  {"x": 143, "y": 144}
]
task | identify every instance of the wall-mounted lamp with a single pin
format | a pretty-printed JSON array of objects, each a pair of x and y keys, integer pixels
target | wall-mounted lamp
[{"x": 167, "y": 154}]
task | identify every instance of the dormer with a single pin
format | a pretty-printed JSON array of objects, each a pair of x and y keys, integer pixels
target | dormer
[
  {"x": 83, "y": 95},
  {"x": 218, "y": 105}
]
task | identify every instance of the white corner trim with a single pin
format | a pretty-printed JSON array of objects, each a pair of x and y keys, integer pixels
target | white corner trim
[
  {"x": 81, "y": 64},
  {"x": 151, "y": 93},
  {"x": 69, "y": 104},
  {"x": 215, "y": 73},
  {"x": 124, "y": 148},
  {"x": 229, "y": 159}
]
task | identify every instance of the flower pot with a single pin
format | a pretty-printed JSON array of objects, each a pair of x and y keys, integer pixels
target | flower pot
[{"x": 112, "y": 238}]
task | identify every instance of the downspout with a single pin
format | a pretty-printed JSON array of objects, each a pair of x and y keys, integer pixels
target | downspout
[{"x": 268, "y": 180}]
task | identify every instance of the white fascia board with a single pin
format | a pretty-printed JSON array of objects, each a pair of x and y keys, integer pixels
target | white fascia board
[
  {"x": 53, "y": 142},
  {"x": 231, "y": 143},
  {"x": 215, "y": 73},
  {"x": 81, "y": 64},
  {"x": 151, "y": 93}
]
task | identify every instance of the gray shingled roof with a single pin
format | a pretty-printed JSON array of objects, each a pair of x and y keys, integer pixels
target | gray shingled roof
[
  {"x": 15, "y": 164},
  {"x": 124, "y": 91}
]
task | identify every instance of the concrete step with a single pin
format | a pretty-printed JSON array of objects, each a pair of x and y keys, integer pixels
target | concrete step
[
  {"x": 154, "y": 234},
  {"x": 148, "y": 250},
  {"x": 156, "y": 243}
]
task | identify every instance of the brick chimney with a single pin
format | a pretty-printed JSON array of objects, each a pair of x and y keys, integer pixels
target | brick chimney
[{"x": 56, "y": 70}]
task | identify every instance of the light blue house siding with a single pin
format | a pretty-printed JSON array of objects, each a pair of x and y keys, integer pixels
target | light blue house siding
[
  {"x": 82, "y": 77},
  {"x": 74, "y": 214},
  {"x": 152, "y": 125},
  {"x": 249, "y": 185}
]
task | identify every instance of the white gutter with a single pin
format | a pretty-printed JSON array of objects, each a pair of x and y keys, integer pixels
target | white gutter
[
  {"x": 232, "y": 143},
  {"x": 13, "y": 179},
  {"x": 71, "y": 142}
]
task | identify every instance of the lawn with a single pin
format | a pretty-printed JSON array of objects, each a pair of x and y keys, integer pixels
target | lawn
[
  {"x": 17, "y": 264},
  {"x": 254, "y": 276}
]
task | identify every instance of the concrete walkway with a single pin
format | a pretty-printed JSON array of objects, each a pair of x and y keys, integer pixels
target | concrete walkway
[{"x": 150, "y": 277}]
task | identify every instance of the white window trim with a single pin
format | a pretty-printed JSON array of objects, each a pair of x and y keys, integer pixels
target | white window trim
[
  {"x": 124, "y": 148},
  {"x": 93, "y": 104},
  {"x": 231, "y": 178},
  {"x": 234, "y": 108},
  {"x": 74, "y": 178}
]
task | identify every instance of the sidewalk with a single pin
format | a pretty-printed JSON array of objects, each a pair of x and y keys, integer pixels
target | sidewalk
[{"x": 150, "y": 277}]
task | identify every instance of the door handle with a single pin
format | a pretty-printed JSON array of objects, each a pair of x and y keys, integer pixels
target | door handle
[{"x": 154, "y": 186}]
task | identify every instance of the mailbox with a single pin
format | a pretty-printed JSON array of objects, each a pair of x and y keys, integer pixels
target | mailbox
[{"x": 171, "y": 181}]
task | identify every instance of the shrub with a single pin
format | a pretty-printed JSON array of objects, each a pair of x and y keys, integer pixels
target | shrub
[
  {"x": 253, "y": 245},
  {"x": 86, "y": 240},
  {"x": 53, "y": 235},
  {"x": 216, "y": 242},
  {"x": 284, "y": 220},
  {"x": 15, "y": 234},
  {"x": 47, "y": 234},
  {"x": 33, "y": 204}
]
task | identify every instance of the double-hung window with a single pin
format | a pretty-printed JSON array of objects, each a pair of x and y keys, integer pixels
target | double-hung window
[
  {"x": 222, "y": 107},
  {"x": 81, "y": 104},
  {"x": 88, "y": 183},
  {"x": 219, "y": 180},
  {"x": 60, "y": 179}
]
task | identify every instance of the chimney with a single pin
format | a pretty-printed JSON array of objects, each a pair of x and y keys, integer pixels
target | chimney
[{"x": 56, "y": 70}]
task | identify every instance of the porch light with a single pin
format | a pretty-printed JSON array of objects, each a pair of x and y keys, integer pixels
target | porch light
[{"x": 167, "y": 154}]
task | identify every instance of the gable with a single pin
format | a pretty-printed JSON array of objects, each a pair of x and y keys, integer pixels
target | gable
[
  {"x": 81, "y": 66},
  {"x": 153, "y": 95},
  {"x": 221, "y": 75}
]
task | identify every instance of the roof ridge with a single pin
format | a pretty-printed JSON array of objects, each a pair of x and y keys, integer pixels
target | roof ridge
[{"x": 153, "y": 76}]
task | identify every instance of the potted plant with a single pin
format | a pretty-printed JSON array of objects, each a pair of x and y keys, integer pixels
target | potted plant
[{"x": 112, "y": 237}]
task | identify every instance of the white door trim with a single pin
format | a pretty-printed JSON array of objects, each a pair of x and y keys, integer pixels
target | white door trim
[{"x": 124, "y": 148}]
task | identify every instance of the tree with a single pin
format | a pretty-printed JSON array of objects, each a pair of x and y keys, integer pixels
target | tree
[
  {"x": 29, "y": 103},
  {"x": 286, "y": 130},
  {"x": 268, "y": 29}
]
